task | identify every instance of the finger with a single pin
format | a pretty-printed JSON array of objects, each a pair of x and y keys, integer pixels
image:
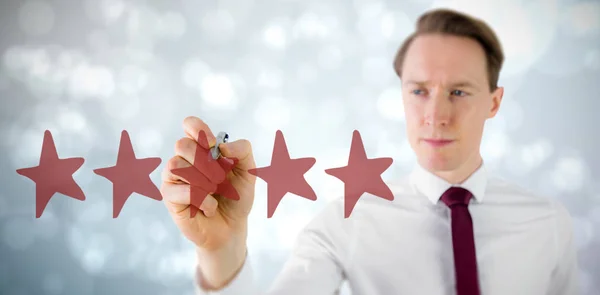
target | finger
[
  {"x": 199, "y": 131},
  {"x": 177, "y": 205},
  {"x": 185, "y": 148},
  {"x": 197, "y": 186},
  {"x": 193, "y": 153},
  {"x": 178, "y": 195},
  {"x": 179, "y": 170},
  {"x": 241, "y": 150},
  {"x": 227, "y": 163},
  {"x": 175, "y": 162},
  {"x": 209, "y": 206}
]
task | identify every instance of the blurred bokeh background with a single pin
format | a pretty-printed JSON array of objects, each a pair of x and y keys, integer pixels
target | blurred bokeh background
[{"x": 316, "y": 69}]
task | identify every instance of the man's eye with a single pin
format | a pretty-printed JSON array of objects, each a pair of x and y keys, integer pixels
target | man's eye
[
  {"x": 417, "y": 92},
  {"x": 459, "y": 93}
]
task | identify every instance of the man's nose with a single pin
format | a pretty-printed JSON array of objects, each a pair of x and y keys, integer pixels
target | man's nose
[{"x": 438, "y": 109}]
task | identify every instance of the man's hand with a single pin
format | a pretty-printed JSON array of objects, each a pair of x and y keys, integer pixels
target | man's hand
[{"x": 219, "y": 229}]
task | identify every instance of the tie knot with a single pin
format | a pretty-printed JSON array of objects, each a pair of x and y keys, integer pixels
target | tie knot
[{"x": 456, "y": 196}]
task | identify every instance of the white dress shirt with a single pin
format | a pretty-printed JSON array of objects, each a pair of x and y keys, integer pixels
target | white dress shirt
[{"x": 524, "y": 244}]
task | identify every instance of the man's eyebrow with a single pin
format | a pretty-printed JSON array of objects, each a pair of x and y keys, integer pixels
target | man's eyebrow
[
  {"x": 463, "y": 84},
  {"x": 415, "y": 82},
  {"x": 455, "y": 84}
]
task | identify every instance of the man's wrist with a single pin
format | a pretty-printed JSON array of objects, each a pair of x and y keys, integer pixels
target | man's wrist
[
  {"x": 219, "y": 279},
  {"x": 219, "y": 267}
]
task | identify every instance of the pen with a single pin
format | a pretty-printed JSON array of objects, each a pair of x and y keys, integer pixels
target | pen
[{"x": 222, "y": 137}]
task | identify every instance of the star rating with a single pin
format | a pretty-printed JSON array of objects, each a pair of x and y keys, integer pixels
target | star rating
[
  {"x": 130, "y": 175},
  {"x": 207, "y": 175},
  {"x": 285, "y": 175},
  {"x": 53, "y": 175},
  {"x": 361, "y": 175}
]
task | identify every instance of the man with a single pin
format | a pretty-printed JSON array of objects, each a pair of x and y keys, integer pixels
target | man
[{"x": 451, "y": 229}]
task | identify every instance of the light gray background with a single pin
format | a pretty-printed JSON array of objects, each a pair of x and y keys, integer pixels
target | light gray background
[{"x": 315, "y": 69}]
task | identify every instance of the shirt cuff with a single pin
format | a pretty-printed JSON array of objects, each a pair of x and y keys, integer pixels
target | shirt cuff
[{"x": 242, "y": 283}]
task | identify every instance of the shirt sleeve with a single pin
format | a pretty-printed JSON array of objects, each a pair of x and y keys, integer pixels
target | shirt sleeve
[
  {"x": 565, "y": 278},
  {"x": 314, "y": 266}
]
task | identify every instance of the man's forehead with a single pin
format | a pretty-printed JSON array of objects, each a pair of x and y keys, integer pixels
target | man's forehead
[
  {"x": 452, "y": 72},
  {"x": 445, "y": 55},
  {"x": 437, "y": 43},
  {"x": 422, "y": 62}
]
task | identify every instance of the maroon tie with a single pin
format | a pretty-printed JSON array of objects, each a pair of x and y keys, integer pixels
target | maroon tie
[{"x": 465, "y": 258}]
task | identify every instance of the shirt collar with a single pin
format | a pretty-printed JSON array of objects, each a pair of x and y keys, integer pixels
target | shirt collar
[{"x": 432, "y": 186}]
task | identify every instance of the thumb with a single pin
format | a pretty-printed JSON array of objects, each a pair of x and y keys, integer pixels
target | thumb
[{"x": 241, "y": 150}]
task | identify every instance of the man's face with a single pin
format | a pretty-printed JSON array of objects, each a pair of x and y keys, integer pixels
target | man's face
[{"x": 446, "y": 100}]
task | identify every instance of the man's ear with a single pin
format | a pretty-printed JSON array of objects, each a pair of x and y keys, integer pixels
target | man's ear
[{"x": 496, "y": 101}]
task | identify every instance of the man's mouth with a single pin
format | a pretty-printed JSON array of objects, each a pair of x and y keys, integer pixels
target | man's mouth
[{"x": 438, "y": 142}]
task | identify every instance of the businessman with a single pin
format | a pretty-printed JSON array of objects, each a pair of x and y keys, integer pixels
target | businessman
[{"x": 452, "y": 228}]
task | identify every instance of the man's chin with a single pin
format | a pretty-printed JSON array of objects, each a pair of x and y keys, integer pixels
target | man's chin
[{"x": 437, "y": 163}]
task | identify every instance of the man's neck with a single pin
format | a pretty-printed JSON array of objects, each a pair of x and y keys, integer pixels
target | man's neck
[{"x": 463, "y": 172}]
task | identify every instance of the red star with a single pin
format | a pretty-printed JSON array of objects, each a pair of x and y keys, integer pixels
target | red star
[
  {"x": 130, "y": 175},
  {"x": 53, "y": 175},
  {"x": 207, "y": 175},
  {"x": 361, "y": 175},
  {"x": 285, "y": 175}
]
